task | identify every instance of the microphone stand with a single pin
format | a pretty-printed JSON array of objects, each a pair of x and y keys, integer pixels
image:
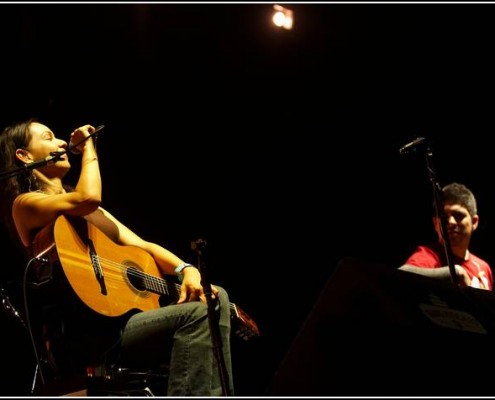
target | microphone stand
[
  {"x": 9, "y": 307},
  {"x": 55, "y": 156},
  {"x": 198, "y": 247},
  {"x": 440, "y": 213}
]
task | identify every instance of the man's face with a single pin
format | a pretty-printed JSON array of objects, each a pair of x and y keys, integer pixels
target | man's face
[{"x": 460, "y": 225}]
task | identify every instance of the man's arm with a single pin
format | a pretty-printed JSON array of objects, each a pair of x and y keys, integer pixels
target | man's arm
[{"x": 442, "y": 273}]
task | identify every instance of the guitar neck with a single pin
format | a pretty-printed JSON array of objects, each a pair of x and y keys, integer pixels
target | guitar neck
[
  {"x": 159, "y": 285},
  {"x": 245, "y": 327}
]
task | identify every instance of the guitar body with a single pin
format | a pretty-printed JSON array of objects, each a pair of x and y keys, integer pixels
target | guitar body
[{"x": 117, "y": 292}]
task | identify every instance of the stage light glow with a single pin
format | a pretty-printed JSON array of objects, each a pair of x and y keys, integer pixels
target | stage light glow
[{"x": 283, "y": 17}]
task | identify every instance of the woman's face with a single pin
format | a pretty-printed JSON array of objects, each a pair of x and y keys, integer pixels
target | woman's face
[{"x": 41, "y": 146}]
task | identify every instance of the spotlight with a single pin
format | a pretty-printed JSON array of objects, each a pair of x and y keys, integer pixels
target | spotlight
[{"x": 283, "y": 17}]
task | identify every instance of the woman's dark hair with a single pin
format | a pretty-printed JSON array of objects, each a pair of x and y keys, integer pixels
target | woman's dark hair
[
  {"x": 13, "y": 137},
  {"x": 20, "y": 180}
]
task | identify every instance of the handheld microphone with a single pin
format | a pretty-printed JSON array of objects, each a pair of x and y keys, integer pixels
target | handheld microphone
[{"x": 73, "y": 146}]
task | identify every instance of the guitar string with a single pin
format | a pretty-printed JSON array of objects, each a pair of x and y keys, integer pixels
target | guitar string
[{"x": 148, "y": 279}]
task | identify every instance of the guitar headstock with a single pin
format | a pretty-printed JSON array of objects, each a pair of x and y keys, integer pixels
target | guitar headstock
[{"x": 242, "y": 324}]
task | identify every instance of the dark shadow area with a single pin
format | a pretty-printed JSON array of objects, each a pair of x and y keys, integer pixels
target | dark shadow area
[{"x": 391, "y": 333}]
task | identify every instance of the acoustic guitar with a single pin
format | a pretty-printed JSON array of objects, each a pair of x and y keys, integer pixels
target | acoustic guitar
[{"x": 113, "y": 279}]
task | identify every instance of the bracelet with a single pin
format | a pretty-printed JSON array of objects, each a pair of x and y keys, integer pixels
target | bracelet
[{"x": 179, "y": 268}]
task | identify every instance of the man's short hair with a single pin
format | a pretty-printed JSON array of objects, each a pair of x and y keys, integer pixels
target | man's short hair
[{"x": 457, "y": 193}]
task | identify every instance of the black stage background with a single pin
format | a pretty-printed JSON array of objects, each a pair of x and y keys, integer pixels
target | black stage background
[{"x": 280, "y": 148}]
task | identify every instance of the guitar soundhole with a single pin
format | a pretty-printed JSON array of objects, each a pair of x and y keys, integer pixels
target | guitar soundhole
[{"x": 135, "y": 276}]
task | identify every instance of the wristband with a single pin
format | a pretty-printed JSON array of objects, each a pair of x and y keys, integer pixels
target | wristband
[{"x": 179, "y": 268}]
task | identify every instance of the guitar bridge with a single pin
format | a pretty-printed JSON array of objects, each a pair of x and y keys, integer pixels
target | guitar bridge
[{"x": 95, "y": 262}]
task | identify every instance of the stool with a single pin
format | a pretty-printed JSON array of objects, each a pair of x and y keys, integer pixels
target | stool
[{"x": 116, "y": 380}]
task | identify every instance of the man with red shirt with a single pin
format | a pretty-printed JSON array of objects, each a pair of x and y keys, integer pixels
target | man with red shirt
[{"x": 462, "y": 220}]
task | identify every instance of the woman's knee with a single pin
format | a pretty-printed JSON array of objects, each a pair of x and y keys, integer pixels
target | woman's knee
[{"x": 222, "y": 294}]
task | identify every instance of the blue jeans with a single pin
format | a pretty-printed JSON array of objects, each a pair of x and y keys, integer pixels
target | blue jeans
[{"x": 179, "y": 335}]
